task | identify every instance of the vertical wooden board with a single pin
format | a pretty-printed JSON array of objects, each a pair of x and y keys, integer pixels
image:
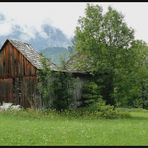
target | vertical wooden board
[
  {"x": 18, "y": 63},
  {"x": 23, "y": 72},
  {"x": 9, "y": 64},
  {"x": 28, "y": 69},
  {"x": 14, "y": 56},
  {"x": 0, "y": 66},
  {"x": 22, "y": 66},
  {"x": 17, "y": 70},
  {"x": 14, "y": 64},
  {"x": 8, "y": 59},
  {"x": 31, "y": 70},
  {"x": 24, "y": 63},
  {"x": 1, "y": 89},
  {"x": 12, "y": 61},
  {"x": 3, "y": 62},
  {"x": 25, "y": 67},
  {"x": 6, "y": 65},
  {"x": 7, "y": 55},
  {"x": 3, "y": 69}
]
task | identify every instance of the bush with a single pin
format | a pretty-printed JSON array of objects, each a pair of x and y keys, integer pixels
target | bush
[
  {"x": 109, "y": 111},
  {"x": 138, "y": 103}
]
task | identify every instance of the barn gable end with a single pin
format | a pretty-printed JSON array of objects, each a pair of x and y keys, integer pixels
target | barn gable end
[
  {"x": 18, "y": 66},
  {"x": 13, "y": 63}
]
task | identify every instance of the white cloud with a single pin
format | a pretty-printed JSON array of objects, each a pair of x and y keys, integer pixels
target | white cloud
[
  {"x": 62, "y": 15},
  {"x": 43, "y": 34},
  {"x": 65, "y": 16},
  {"x": 5, "y": 27}
]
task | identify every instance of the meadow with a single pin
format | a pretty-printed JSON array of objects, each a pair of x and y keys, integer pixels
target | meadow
[{"x": 35, "y": 128}]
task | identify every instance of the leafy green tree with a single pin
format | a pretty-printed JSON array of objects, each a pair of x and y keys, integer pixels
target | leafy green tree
[
  {"x": 140, "y": 74},
  {"x": 110, "y": 43},
  {"x": 102, "y": 35}
]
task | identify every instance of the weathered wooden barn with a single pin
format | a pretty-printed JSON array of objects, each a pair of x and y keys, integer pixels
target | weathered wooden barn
[
  {"x": 18, "y": 70},
  {"x": 19, "y": 63}
]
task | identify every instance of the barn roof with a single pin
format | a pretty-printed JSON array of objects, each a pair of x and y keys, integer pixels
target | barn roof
[
  {"x": 79, "y": 62},
  {"x": 82, "y": 63},
  {"x": 29, "y": 53}
]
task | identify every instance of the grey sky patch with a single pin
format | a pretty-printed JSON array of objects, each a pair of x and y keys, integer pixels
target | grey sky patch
[{"x": 2, "y": 18}]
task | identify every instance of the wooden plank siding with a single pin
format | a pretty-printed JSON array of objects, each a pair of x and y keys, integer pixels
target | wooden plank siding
[
  {"x": 14, "y": 64},
  {"x": 17, "y": 76}
]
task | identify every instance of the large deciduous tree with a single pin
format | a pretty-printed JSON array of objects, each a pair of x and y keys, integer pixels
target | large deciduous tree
[{"x": 109, "y": 41}]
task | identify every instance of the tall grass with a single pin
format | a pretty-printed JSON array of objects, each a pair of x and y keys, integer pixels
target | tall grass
[{"x": 54, "y": 128}]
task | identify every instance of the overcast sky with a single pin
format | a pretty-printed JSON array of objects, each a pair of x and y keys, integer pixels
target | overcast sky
[{"x": 65, "y": 15}]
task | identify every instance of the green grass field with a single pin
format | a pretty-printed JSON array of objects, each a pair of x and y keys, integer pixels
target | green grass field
[{"x": 24, "y": 129}]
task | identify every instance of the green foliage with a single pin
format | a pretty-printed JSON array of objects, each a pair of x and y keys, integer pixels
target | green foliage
[
  {"x": 109, "y": 111},
  {"x": 137, "y": 103},
  {"x": 62, "y": 85},
  {"x": 134, "y": 83},
  {"x": 44, "y": 86},
  {"x": 118, "y": 61},
  {"x": 90, "y": 93},
  {"x": 55, "y": 87},
  {"x": 102, "y": 35},
  {"x": 104, "y": 80}
]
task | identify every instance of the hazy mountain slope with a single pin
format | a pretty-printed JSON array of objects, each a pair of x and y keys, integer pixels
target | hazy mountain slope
[
  {"x": 50, "y": 41},
  {"x": 49, "y": 36},
  {"x": 57, "y": 53}
]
